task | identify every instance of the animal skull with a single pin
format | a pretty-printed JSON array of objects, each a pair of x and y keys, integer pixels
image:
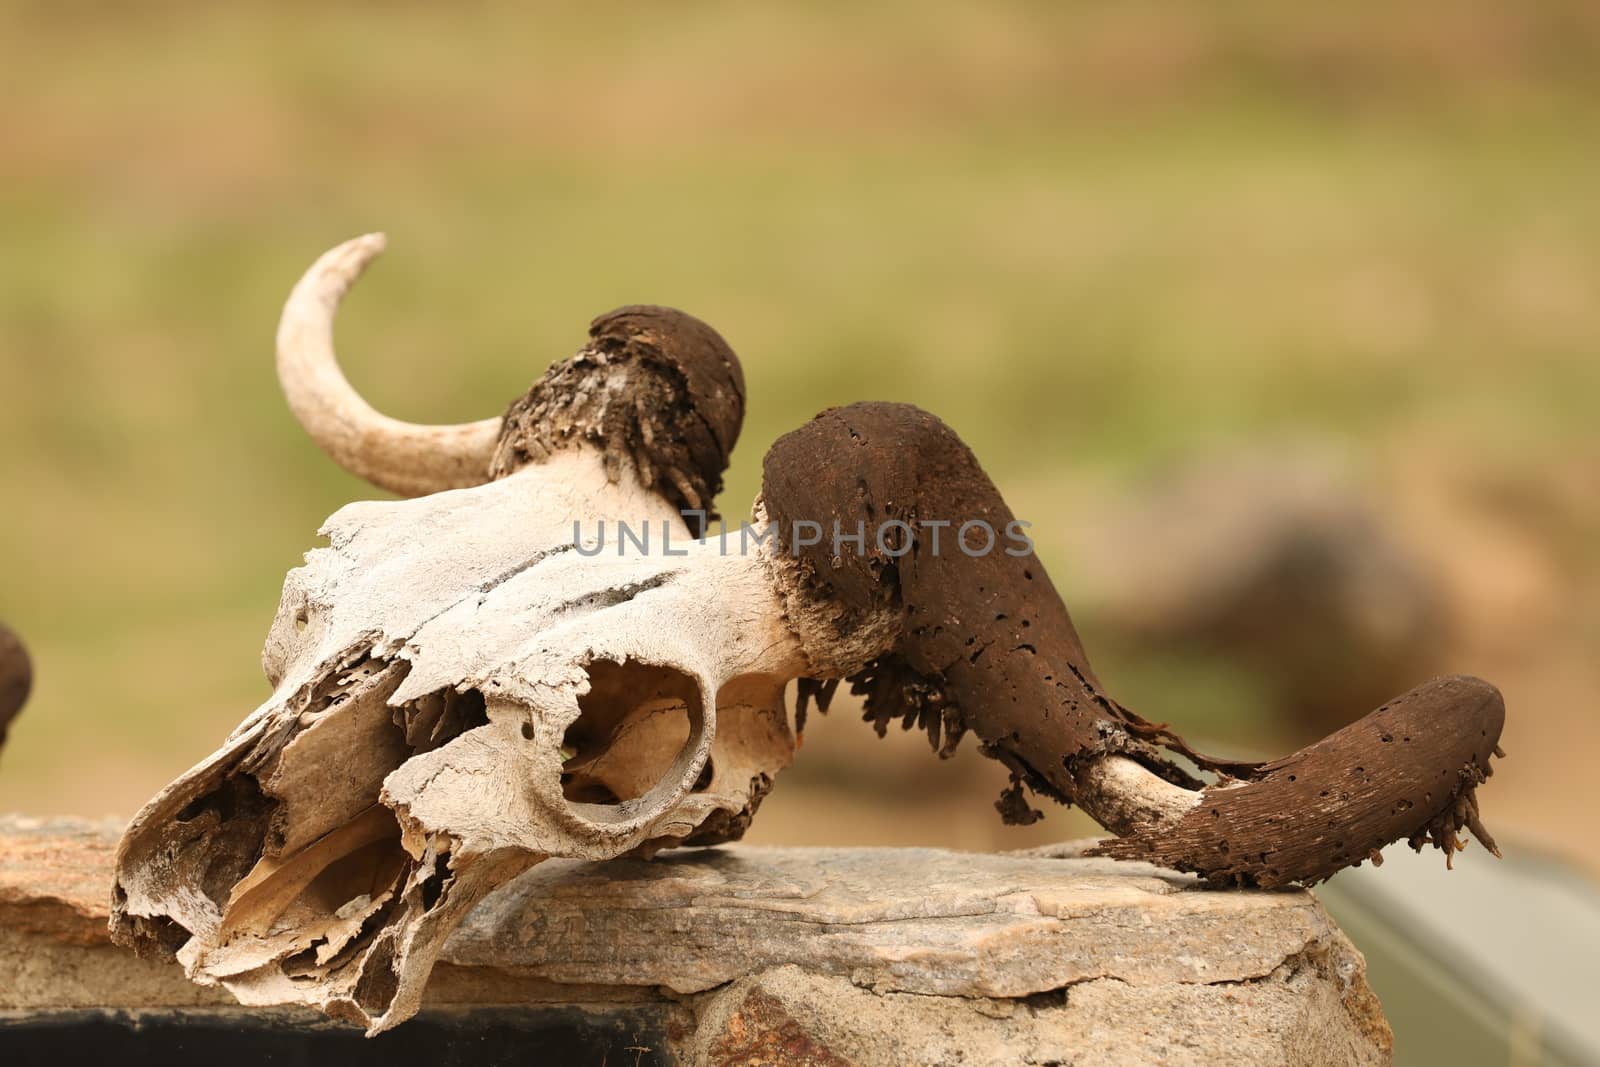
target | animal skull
[
  {"x": 464, "y": 686},
  {"x": 461, "y": 689},
  {"x": 459, "y": 694}
]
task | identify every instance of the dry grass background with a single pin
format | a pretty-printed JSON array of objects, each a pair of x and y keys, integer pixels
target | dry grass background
[{"x": 1093, "y": 238}]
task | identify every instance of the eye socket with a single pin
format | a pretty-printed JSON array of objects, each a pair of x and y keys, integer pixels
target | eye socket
[{"x": 634, "y": 733}]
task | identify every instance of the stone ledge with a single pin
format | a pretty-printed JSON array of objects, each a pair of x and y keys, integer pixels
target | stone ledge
[{"x": 828, "y": 956}]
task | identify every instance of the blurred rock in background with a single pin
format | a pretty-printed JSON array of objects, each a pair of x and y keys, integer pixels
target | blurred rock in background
[{"x": 1276, "y": 561}]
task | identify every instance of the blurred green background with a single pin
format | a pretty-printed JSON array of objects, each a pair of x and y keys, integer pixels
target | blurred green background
[{"x": 1096, "y": 239}]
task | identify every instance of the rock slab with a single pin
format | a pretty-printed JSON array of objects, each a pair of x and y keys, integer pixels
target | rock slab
[{"x": 791, "y": 956}]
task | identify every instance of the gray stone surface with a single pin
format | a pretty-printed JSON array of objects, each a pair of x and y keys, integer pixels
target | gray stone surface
[
  {"x": 813, "y": 956},
  {"x": 892, "y": 920}
]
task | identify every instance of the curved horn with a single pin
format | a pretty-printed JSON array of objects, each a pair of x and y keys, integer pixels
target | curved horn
[
  {"x": 983, "y": 643},
  {"x": 403, "y": 457}
]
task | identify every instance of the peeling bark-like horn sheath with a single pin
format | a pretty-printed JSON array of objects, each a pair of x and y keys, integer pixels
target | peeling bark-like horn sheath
[
  {"x": 654, "y": 387},
  {"x": 985, "y": 644},
  {"x": 16, "y": 678}
]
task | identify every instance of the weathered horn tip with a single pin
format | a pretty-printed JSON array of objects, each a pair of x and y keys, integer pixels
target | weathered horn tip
[
  {"x": 1473, "y": 702},
  {"x": 1468, "y": 684},
  {"x": 351, "y": 258},
  {"x": 1408, "y": 771},
  {"x": 320, "y": 289}
]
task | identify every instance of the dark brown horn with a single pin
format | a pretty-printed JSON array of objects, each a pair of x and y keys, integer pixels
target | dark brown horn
[
  {"x": 1408, "y": 771},
  {"x": 985, "y": 644},
  {"x": 654, "y": 386}
]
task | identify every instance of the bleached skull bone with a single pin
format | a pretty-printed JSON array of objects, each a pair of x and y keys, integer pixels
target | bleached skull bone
[
  {"x": 460, "y": 692},
  {"x": 463, "y": 687}
]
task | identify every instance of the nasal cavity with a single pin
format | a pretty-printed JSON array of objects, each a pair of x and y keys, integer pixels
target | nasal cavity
[{"x": 632, "y": 733}]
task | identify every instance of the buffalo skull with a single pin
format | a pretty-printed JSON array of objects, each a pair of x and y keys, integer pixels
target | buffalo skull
[{"x": 474, "y": 679}]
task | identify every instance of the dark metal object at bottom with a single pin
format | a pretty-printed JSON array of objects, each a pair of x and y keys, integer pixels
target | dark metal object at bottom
[{"x": 245, "y": 1038}]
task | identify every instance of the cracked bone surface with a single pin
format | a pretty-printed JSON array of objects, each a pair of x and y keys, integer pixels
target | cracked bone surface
[
  {"x": 459, "y": 694},
  {"x": 464, "y": 687}
]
